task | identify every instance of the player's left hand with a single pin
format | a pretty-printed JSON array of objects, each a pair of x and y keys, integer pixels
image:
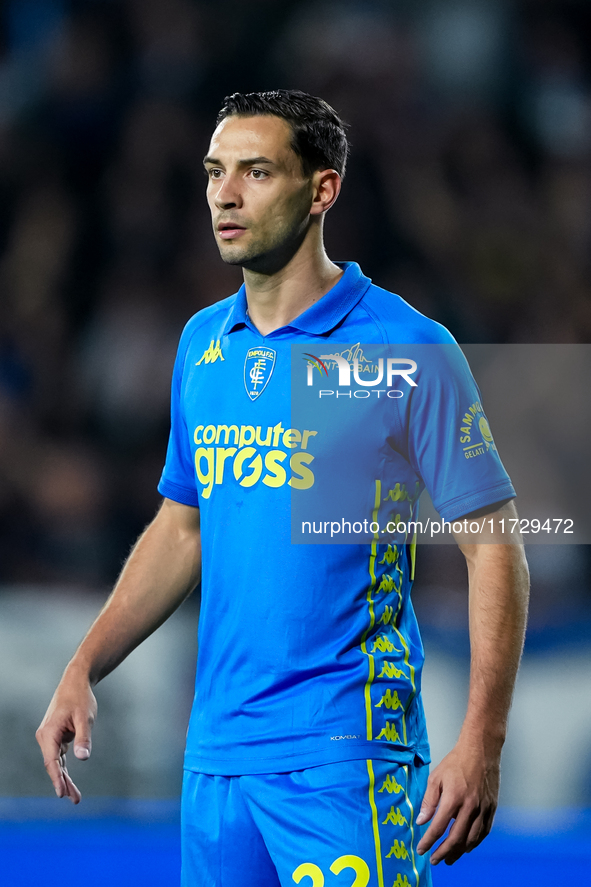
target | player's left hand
[{"x": 464, "y": 788}]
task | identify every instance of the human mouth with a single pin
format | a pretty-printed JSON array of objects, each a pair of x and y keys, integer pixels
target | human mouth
[{"x": 230, "y": 230}]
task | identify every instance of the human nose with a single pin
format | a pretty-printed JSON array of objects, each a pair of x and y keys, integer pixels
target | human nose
[{"x": 227, "y": 193}]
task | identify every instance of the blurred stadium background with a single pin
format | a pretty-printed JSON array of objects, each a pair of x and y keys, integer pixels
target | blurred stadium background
[{"x": 468, "y": 192}]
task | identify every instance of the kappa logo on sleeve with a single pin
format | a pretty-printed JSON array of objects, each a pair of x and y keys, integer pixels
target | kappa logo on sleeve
[{"x": 258, "y": 369}]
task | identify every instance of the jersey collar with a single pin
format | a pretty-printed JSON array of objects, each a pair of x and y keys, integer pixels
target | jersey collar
[{"x": 324, "y": 315}]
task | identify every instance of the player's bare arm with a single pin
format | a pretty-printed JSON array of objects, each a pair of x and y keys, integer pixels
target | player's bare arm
[
  {"x": 465, "y": 785},
  {"x": 162, "y": 570}
]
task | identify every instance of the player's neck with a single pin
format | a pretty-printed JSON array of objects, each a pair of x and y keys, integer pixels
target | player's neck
[{"x": 274, "y": 300}]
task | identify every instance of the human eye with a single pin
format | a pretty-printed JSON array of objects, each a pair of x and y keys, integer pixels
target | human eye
[
  {"x": 259, "y": 174},
  {"x": 214, "y": 172}
]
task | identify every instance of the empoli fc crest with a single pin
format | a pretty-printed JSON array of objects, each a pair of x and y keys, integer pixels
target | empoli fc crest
[{"x": 258, "y": 369}]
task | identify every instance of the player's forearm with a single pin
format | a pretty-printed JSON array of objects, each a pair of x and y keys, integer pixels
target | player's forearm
[
  {"x": 163, "y": 568},
  {"x": 499, "y": 589}
]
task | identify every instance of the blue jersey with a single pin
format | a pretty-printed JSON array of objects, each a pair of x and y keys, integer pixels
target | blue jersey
[{"x": 311, "y": 654}]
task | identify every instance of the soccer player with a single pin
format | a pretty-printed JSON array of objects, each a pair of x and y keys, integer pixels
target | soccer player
[{"x": 307, "y": 752}]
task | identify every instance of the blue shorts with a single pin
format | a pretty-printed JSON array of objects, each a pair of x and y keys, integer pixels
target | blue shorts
[{"x": 306, "y": 826}]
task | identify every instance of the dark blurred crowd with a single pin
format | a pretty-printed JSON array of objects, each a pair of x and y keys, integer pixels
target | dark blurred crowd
[{"x": 468, "y": 192}]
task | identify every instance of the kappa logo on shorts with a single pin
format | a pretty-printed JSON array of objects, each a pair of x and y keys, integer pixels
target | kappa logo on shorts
[{"x": 258, "y": 369}]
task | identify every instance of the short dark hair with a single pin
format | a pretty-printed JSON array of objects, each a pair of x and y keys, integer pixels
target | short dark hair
[{"x": 318, "y": 134}]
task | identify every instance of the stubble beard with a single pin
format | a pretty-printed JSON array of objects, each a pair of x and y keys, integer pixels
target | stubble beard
[
  {"x": 264, "y": 257},
  {"x": 234, "y": 254}
]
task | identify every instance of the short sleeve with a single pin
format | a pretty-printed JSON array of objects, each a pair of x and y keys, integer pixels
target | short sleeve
[
  {"x": 450, "y": 443},
  {"x": 178, "y": 476}
]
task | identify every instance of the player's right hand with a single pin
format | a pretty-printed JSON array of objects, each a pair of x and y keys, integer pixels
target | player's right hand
[{"x": 70, "y": 717}]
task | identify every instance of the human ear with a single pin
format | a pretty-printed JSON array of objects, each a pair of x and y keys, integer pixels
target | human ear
[{"x": 326, "y": 184}]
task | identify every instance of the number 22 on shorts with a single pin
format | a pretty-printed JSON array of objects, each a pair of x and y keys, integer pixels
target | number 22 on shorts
[{"x": 358, "y": 865}]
